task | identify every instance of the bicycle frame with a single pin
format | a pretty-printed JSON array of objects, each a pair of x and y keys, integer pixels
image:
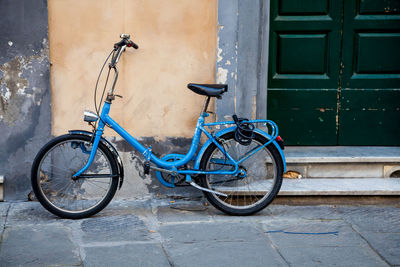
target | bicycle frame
[
  {"x": 173, "y": 166},
  {"x": 105, "y": 119},
  {"x": 74, "y": 194}
]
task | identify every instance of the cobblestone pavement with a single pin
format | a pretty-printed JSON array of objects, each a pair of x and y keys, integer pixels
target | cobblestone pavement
[{"x": 188, "y": 233}]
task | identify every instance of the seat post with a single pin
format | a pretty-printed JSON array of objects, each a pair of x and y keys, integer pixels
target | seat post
[{"x": 206, "y": 104}]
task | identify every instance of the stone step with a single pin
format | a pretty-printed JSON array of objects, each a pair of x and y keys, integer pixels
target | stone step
[
  {"x": 1, "y": 187},
  {"x": 341, "y": 187},
  {"x": 344, "y": 162},
  {"x": 314, "y": 154}
]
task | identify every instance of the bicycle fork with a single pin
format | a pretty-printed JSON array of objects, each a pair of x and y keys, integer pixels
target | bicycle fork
[{"x": 98, "y": 134}]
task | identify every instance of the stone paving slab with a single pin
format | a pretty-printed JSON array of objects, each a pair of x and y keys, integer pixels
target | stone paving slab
[
  {"x": 331, "y": 256},
  {"x": 182, "y": 233},
  {"x": 126, "y": 255},
  {"x": 218, "y": 244},
  {"x": 4, "y": 208},
  {"x": 211, "y": 253},
  {"x": 386, "y": 244},
  {"x": 30, "y": 212},
  {"x": 174, "y": 213},
  {"x": 372, "y": 218},
  {"x": 302, "y": 212},
  {"x": 38, "y": 246},
  {"x": 276, "y": 213},
  {"x": 313, "y": 234},
  {"x": 114, "y": 228},
  {"x": 204, "y": 232}
]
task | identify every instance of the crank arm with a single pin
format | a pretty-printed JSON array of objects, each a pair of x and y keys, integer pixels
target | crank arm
[{"x": 174, "y": 173}]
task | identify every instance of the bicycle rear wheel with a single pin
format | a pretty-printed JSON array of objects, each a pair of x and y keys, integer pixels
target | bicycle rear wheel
[
  {"x": 250, "y": 192},
  {"x": 64, "y": 196}
]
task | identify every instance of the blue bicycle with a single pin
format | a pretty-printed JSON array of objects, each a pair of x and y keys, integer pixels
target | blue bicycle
[{"x": 239, "y": 168}]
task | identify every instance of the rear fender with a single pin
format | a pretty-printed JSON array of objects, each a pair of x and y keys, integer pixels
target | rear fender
[
  {"x": 111, "y": 148},
  {"x": 232, "y": 129}
]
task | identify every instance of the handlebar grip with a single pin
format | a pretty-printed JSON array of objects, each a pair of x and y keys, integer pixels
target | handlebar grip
[
  {"x": 132, "y": 44},
  {"x": 125, "y": 42}
]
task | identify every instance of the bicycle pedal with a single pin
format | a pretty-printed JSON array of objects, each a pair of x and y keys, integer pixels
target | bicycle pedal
[{"x": 146, "y": 167}]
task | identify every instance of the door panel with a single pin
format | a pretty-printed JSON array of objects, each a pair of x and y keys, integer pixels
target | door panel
[
  {"x": 304, "y": 70},
  {"x": 299, "y": 50},
  {"x": 370, "y": 98},
  {"x": 304, "y": 46},
  {"x": 375, "y": 53},
  {"x": 306, "y": 116},
  {"x": 375, "y": 7},
  {"x": 308, "y": 7},
  {"x": 370, "y": 117}
]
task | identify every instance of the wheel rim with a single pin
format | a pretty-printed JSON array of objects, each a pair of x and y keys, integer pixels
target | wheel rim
[
  {"x": 54, "y": 177},
  {"x": 255, "y": 187}
]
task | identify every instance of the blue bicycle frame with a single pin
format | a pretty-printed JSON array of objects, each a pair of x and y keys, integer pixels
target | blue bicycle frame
[
  {"x": 179, "y": 160},
  {"x": 225, "y": 168},
  {"x": 105, "y": 119}
]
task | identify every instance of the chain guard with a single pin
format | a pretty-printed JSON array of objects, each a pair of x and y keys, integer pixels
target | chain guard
[{"x": 169, "y": 179}]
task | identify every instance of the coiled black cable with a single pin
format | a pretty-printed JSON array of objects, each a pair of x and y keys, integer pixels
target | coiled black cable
[{"x": 244, "y": 132}]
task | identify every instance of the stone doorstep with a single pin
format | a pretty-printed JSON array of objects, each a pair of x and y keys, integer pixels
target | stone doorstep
[
  {"x": 341, "y": 187},
  {"x": 338, "y": 154},
  {"x": 343, "y": 162},
  {"x": 350, "y": 159}
]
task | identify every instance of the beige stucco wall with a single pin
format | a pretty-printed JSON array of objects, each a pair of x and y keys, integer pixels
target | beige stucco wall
[{"x": 177, "y": 40}]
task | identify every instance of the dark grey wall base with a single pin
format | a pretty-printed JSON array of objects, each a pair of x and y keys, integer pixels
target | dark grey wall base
[{"x": 138, "y": 185}]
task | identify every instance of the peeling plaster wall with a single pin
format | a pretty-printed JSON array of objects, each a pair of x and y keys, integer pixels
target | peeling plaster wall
[
  {"x": 242, "y": 57},
  {"x": 24, "y": 91}
]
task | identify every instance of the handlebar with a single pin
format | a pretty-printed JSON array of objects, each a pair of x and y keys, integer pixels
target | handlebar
[
  {"x": 127, "y": 42},
  {"x": 119, "y": 48}
]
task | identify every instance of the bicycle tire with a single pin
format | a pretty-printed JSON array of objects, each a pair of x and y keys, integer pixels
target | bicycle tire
[
  {"x": 52, "y": 183},
  {"x": 241, "y": 201}
]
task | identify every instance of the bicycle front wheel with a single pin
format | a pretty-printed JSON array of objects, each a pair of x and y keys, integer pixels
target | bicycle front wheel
[
  {"x": 253, "y": 189},
  {"x": 65, "y": 196}
]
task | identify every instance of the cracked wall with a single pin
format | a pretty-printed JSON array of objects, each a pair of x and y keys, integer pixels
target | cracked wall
[{"x": 25, "y": 119}]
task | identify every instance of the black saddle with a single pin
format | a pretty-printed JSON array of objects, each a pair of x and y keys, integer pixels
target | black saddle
[{"x": 215, "y": 90}]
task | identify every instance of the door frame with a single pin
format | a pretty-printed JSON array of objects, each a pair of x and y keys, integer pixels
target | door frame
[{"x": 242, "y": 57}]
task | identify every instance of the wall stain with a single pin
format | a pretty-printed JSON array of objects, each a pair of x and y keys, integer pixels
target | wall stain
[
  {"x": 222, "y": 75},
  {"x": 15, "y": 94}
]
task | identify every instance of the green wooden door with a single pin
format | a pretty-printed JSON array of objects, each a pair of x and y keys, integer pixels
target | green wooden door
[{"x": 334, "y": 72}]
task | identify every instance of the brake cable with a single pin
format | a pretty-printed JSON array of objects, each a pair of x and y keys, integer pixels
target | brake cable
[{"x": 104, "y": 89}]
